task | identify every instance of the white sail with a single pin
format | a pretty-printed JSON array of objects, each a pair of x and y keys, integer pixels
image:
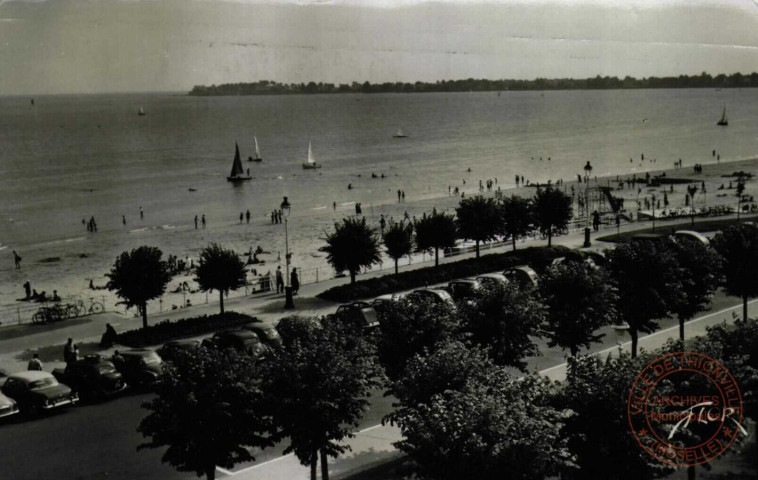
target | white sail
[
  {"x": 257, "y": 150},
  {"x": 311, "y": 160},
  {"x": 399, "y": 133}
]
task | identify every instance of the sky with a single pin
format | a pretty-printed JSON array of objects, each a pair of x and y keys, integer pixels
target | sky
[{"x": 96, "y": 46}]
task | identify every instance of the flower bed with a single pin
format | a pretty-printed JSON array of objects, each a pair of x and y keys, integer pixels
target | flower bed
[{"x": 187, "y": 327}]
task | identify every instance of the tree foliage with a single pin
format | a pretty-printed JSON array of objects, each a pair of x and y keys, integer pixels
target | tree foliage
[
  {"x": 649, "y": 281},
  {"x": 351, "y": 246},
  {"x": 398, "y": 240},
  {"x": 738, "y": 245},
  {"x": 138, "y": 277},
  {"x": 580, "y": 299},
  {"x": 207, "y": 410},
  {"x": 409, "y": 327},
  {"x": 506, "y": 318},
  {"x": 515, "y": 217},
  {"x": 552, "y": 211},
  {"x": 478, "y": 219},
  {"x": 318, "y": 385},
  {"x": 220, "y": 269},
  {"x": 597, "y": 391},
  {"x": 482, "y": 426},
  {"x": 435, "y": 231},
  {"x": 700, "y": 274}
]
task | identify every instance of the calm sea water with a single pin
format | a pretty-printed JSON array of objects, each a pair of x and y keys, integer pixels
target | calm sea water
[{"x": 72, "y": 157}]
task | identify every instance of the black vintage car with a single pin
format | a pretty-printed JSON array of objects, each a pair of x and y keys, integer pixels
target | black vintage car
[
  {"x": 141, "y": 367},
  {"x": 266, "y": 333},
  {"x": 361, "y": 314},
  {"x": 94, "y": 376},
  {"x": 168, "y": 351},
  {"x": 35, "y": 391},
  {"x": 240, "y": 340}
]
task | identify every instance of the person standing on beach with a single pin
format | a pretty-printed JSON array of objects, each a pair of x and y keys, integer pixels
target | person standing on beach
[
  {"x": 28, "y": 289},
  {"x": 141, "y": 213},
  {"x": 294, "y": 281},
  {"x": 241, "y": 217},
  {"x": 123, "y": 219},
  {"x": 195, "y": 222},
  {"x": 203, "y": 219},
  {"x": 17, "y": 259},
  {"x": 35, "y": 364},
  {"x": 247, "y": 215},
  {"x": 382, "y": 224},
  {"x": 279, "y": 280}
]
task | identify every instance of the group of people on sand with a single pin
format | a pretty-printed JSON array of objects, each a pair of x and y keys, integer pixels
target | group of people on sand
[
  {"x": 276, "y": 216},
  {"x": 91, "y": 224},
  {"x": 245, "y": 215},
  {"x": 31, "y": 294}
]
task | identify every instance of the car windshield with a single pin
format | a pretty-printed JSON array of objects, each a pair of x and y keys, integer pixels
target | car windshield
[
  {"x": 151, "y": 359},
  {"x": 105, "y": 369},
  {"x": 42, "y": 383}
]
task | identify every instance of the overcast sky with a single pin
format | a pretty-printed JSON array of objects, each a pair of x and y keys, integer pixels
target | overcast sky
[{"x": 90, "y": 46}]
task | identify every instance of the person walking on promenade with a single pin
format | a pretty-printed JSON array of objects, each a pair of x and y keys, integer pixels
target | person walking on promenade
[
  {"x": 595, "y": 220},
  {"x": 69, "y": 352},
  {"x": 294, "y": 281},
  {"x": 279, "y": 280},
  {"x": 382, "y": 224},
  {"x": 35, "y": 364},
  {"x": 17, "y": 259}
]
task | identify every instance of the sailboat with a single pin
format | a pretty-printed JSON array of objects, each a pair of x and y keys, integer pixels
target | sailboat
[
  {"x": 311, "y": 162},
  {"x": 257, "y": 157},
  {"x": 141, "y": 112},
  {"x": 723, "y": 122},
  {"x": 237, "y": 175},
  {"x": 399, "y": 134}
]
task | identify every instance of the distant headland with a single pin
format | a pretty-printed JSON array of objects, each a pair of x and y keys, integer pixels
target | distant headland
[{"x": 266, "y": 87}]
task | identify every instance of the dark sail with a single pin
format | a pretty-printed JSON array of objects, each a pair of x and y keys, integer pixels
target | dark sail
[{"x": 237, "y": 165}]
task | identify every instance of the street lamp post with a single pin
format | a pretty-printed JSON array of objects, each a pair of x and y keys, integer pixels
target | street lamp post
[
  {"x": 587, "y": 172},
  {"x": 285, "y": 207}
]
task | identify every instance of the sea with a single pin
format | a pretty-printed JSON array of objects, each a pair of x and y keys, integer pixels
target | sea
[{"x": 66, "y": 159}]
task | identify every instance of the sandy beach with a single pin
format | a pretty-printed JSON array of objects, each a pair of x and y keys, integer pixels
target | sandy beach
[{"x": 65, "y": 267}]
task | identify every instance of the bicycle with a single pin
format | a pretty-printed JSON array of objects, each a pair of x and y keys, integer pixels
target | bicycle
[
  {"x": 81, "y": 309},
  {"x": 55, "y": 313}
]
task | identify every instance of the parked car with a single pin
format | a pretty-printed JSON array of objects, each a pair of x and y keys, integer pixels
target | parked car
[
  {"x": 488, "y": 280},
  {"x": 463, "y": 288},
  {"x": 168, "y": 350},
  {"x": 141, "y": 367},
  {"x": 362, "y": 313},
  {"x": 8, "y": 406},
  {"x": 267, "y": 334},
  {"x": 35, "y": 390},
  {"x": 93, "y": 376},
  {"x": 436, "y": 295},
  {"x": 523, "y": 275},
  {"x": 240, "y": 340},
  {"x": 691, "y": 235}
]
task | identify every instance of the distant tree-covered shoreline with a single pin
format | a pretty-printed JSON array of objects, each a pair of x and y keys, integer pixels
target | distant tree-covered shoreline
[{"x": 266, "y": 87}]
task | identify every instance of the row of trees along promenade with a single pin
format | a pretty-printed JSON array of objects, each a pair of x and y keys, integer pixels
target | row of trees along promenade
[
  {"x": 444, "y": 366},
  {"x": 267, "y": 87}
]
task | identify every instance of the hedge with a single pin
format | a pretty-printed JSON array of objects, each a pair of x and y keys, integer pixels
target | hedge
[
  {"x": 538, "y": 258},
  {"x": 186, "y": 327}
]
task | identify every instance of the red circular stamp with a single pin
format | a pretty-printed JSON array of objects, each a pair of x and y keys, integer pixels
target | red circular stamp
[{"x": 685, "y": 408}]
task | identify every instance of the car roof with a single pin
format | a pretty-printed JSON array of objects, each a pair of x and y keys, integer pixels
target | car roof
[
  {"x": 30, "y": 376},
  {"x": 691, "y": 234},
  {"x": 238, "y": 333},
  {"x": 465, "y": 280},
  {"x": 184, "y": 341},
  {"x": 136, "y": 352},
  {"x": 259, "y": 326}
]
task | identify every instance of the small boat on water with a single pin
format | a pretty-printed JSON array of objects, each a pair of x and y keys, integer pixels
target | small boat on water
[
  {"x": 257, "y": 157},
  {"x": 311, "y": 162},
  {"x": 399, "y": 134},
  {"x": 238, "y": 174},
  {"x": 141, "y": 112},
  {"x": 723, "y": 122}
]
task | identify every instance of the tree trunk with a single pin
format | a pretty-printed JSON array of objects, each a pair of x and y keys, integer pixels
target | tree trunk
[
  {"x": 352, "y": 276},
  {"x": 143, "y": 307},
  {"x": 477, "y": 249},
  {"x": 681, "y": 329},
  {"x": 550, "y": 237},
  {"x": 744, "y": 310},
  {"x": 436, "y": 256},
  {"x": 324, "y": 466},
  {"x": 573, "y": 350},
  {"x": 314, "y": 463},
  {"x": 210, "y": 472},
  {"x": 633, "y": 334},
  {"x": 513, "y": 240},
  {"x": 396, "y": 266},
  {"x": 221, "y": 300}
]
